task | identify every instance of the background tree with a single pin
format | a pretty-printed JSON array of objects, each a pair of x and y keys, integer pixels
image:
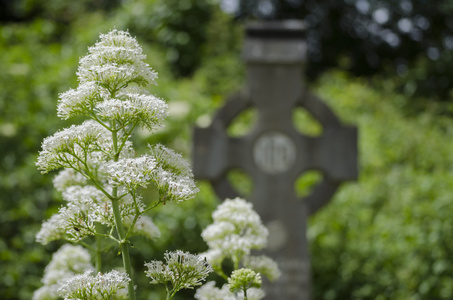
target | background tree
[{"x": 412, "y": 38}]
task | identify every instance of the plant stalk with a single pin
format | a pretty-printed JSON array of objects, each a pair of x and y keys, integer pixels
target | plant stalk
[
  {"x": 124, "y": 245},
  {"x": 98, "y": 249}
]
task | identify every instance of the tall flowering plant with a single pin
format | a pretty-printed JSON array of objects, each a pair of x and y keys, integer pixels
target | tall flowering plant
[
  {"x": 237, "y": 230},
  {"x": 101, "y": 177}
]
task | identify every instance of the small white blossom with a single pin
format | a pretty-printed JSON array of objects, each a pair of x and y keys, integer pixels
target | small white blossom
[
  {"x": 253, "y": 294},
  {"x": 115, "y": 62},
  {"x": 45, "y": 293},
  {"x": 183, "y": 269},
  {"x": 244, "y": 279},
  {"x": 147, "y": 110},
  {"x": 237, "y": 229},
  {"x": 263, "y": 265},
  {"x": 66, "y": 178},
  {"x": 173, "y": 176},
  {"x": 111, "y": 285},
  {"x": 68, "y": 261},
  {"x": 214, "y": 256},
  {"x": 131, "y": 172},
  {"x": 86, "y": 205},
  {"x": 209, "y": 291},
  {"x": 80, "y": 101},
  {"x": 144, "y": 226},
  {"x": 68, "y": 147},
  {"x": 50, "y": 230}
]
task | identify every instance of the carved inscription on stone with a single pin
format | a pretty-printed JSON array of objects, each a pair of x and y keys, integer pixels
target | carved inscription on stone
[{"x": 274, "y": 152}]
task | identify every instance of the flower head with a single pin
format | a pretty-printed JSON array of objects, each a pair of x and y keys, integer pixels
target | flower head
[
  {"x": 209, "y": 291},
  {"x": 236, "y": 229},
  {"x": 80, "y": 101},
  {"x": 244, "y": 279},
  {"x": 115, "y": 62},
  {"x": 66, "y": 178},
  {"x": 263, "y": 265},
  {"x": 130, "y": 108},
  {"x": 68, "y": 148},
  {"x": 172, "y": 176},
  {"x": 68, "y": 261},
  {"x": 112, "y": 285},
  {"x": 183, "y": 269},
  {"x": 130, "y": 172}
]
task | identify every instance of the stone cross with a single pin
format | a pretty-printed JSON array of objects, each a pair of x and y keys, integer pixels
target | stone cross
[{"x": 274, "y": 153}]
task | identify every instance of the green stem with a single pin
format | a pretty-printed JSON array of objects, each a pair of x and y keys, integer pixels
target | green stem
[
  {"x": 220, "y": 272},
  {"x": 245, "y": 293},
  {"x": 98, "y": 249},
  {"x": 168, "y": 292},
  {"x": 124, "y": 245}
]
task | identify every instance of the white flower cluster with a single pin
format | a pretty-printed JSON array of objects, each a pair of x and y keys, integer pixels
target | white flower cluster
[
  {"x": 244, "y": 279},
  {"x": 210, "y": 292},
  {"x": 110, "y": 78},
  {"x": 66, "y": 178},
  {"x": 114, "y": 62},
  {"x": 75, "y": 220},
  {"x": 70, "y": 147},
  {"x": 143, "y": 226},
  {"x": 112, "y": 285},
  {"x": 130, "y": 172},
  {"x": 172, "y": 176},
  {"x": 147, "y": 110},
  {"x": 67, "y": 262},
  {"x": 86, "y": 205},
  {"x": 168, "y": 170},
  {"x": 236, "y": 229},
  {"x": 80, "y": 101},
  {"x": 183, "y": 269},
  {"x": 262, "y": 264}
]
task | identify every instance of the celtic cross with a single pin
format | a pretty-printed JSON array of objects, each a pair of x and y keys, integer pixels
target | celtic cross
[{"x": 274, "y": 153}]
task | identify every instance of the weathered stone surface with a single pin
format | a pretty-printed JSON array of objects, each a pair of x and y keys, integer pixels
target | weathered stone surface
[{"x": 274, "y": 153}]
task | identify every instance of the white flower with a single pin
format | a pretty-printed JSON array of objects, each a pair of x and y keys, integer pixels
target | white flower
[
  {"x": 244, "y": 279},
  {"x": 214, "y": 257},
  {"x": 67, "y": 148},
  {"x": 209, "y": 291},
  {"x": 81, "y": 101},
  {"x": 111, "y": 285},
  {"x": 45, "y": 293},
  {"x": 183, "y": 269},
  {"x": 131, "y": 172},
  {"x": 147, "y": 110},
  {"x": 252, "y": 294},
  {"x": 236, "y": 229},
  {"x": 172, "y": 176},
  {"x": 68, "y": 261},
  {"x": 86, "y": 205},
  {"x": 144, "y": 226},
  {"x": 66, "y": 178},
  {"x": 263, "y": 265},
  {"x": 115, "y": 62}
]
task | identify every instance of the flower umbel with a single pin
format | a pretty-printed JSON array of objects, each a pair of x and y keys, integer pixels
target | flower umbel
[
  {"x": 243, "y": 279},
  {"x": 182, "y": 270},
  {"x": 111, "y": 285}
]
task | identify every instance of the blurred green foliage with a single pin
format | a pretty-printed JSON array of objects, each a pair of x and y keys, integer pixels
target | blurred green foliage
[{"x": 386, "y": 236}]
